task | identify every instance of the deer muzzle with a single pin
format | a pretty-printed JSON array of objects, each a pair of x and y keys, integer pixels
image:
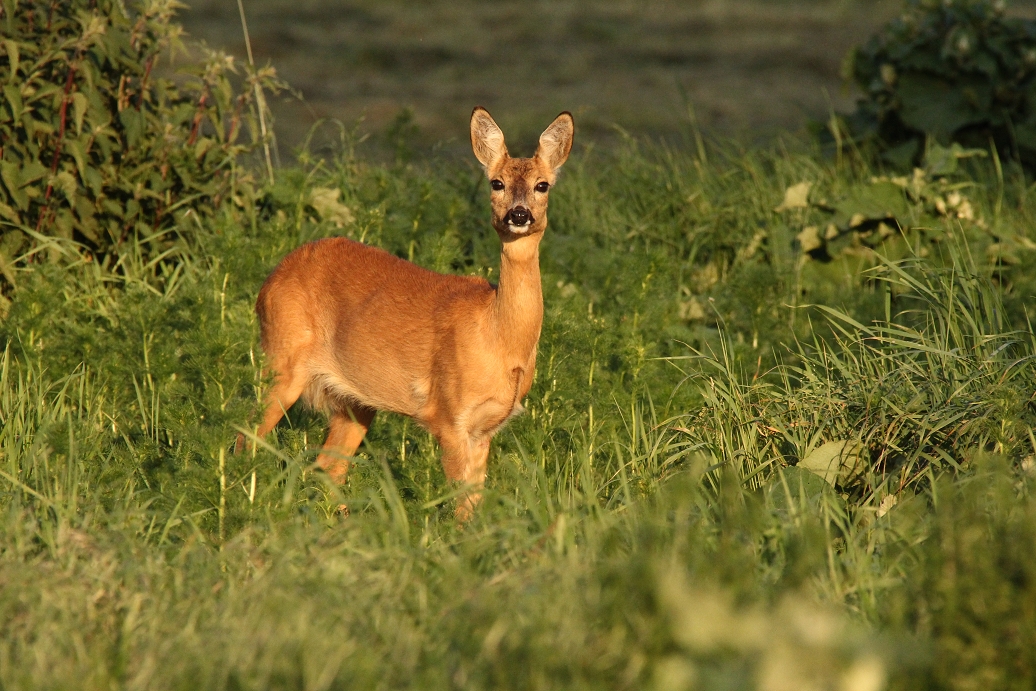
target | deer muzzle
[{"x": 520, "y": 216}]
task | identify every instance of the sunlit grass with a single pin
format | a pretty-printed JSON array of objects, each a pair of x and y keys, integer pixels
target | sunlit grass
[{"x": 646, "y": 523}]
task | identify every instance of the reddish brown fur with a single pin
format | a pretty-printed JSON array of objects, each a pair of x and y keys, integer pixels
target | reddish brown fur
[{"x": 353, "y": 329}]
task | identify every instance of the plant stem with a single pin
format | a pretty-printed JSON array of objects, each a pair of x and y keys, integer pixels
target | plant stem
[
  {"x": 69, "y": 83},
  {"x": 222, "y": 495},
  {"x": 259, "y": 97}
]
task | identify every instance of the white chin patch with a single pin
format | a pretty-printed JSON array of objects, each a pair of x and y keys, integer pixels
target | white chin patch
[{"x": 519, "y": 230}]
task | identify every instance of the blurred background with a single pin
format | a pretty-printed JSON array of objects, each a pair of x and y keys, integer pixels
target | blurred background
[{"x": 646, "y": 67}]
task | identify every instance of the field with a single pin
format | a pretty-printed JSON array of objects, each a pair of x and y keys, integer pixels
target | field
[
  {"x": 746, "y": 67},
  {"x": 780, "y": 437}
]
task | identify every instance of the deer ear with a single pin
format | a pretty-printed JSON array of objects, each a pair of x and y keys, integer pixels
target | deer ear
[
  {"x": 556, "y": 141},
  {"x": 487, "y": 141}
]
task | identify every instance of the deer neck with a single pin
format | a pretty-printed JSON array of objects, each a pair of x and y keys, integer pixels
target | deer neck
[{"x": 518, "y": 306}]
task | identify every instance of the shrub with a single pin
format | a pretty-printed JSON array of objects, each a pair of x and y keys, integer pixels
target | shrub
[
  {"x": 95, "y": 145},
  {"x": 953, "y": 70}
]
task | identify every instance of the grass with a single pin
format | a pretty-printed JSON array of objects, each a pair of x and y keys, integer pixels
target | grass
[{"x": 650, "y": 522}]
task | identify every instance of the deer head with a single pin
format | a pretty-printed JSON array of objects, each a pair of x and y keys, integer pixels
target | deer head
[{"x": 520, "y": 186}]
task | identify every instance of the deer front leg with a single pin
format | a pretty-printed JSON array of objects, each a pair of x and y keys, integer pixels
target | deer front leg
[{"x": 464, "y": 462}]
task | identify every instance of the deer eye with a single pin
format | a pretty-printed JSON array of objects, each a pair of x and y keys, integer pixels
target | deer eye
[
  {"x": 542, "y": 187},
  {"x": 497, "y": 184}
]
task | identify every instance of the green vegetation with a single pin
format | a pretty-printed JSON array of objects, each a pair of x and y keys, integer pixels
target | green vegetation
[
  {"x": 650, "y": 522},
  {"x": 955, "y": 70},
  {"x": 97, "y": 145},
  {"x": 781, "y": 437}
]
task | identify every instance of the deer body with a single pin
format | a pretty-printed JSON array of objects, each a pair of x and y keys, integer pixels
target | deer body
[{"x": 353, "y": 329}]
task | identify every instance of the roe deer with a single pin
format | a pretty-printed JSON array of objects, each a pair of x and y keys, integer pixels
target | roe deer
[{"x": 354, "y": 329}]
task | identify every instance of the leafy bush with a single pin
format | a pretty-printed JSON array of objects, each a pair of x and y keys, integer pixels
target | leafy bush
[
  {"x": 95, "y": 145},
  {"x": 954, "y": 70}
]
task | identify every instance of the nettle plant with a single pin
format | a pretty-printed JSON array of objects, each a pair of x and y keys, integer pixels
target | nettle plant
[
  {"x": 951, "y": 70},
  {"x": 96, "y": 146}
]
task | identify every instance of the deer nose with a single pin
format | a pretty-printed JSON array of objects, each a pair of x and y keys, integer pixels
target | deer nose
[{"x": 519, "y": 216}]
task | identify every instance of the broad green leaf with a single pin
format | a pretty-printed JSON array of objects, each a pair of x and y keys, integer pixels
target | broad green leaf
[
  {"x": 133, "y": 125},
  {"x": 132, "y": 209},
  {"x": 325, "y": 201},
  {"x": 65, "y": 182},
  {"x": 795, "y": 197},
  {"x": 834, "y": 461},
  {"x": 809, "y": 239},
  {"x": 75, "y": 147},
  {"x": 79, "y": 106},
  {"x": 809, "y": 482},
  {"x": 112, "y": 207},
  {"x": 1025, "y": 136},
  {"x": 796, "y": 488},
  {"x": 31, "y": 172},
  {"x": 13, "y": 57},
  {"x": 9, "y": 173},
  {"x": 63, "y": 224},
  {"x": 9, "y": 213},
  {"x": 202, "y": 147},
  {"x": 986, "y": 63},
  {"x": 14, "y": 102},
  {"x": 87, "y": 224},
  {"x": 7, "y": 266},
  {"x": 903, "y": 155},
  {"x": 940, "y": 107},
  {"x": 941, "y": 160},
  {"x": 94, "y": 180},
  {"x": 874, "y": 202}
]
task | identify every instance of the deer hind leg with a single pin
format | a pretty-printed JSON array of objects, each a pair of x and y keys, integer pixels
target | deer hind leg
[
  {"x": 285, "y": 391},
  {"x": 349, "y": 425}
]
